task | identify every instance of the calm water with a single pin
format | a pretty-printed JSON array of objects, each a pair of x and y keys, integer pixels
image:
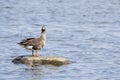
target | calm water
[{"x": 85, "y": 31}]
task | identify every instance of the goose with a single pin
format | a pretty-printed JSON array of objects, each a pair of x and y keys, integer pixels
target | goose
[{"x": 35, "y": 43}]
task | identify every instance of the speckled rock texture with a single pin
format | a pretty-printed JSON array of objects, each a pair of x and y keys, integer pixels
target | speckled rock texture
[{"x": 41, "y": 60}]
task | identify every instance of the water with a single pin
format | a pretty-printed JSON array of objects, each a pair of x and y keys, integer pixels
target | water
[{"x": 84, "y": 31}]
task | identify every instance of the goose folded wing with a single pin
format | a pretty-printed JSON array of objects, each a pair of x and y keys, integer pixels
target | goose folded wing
[{"x": 29, "y": 41}]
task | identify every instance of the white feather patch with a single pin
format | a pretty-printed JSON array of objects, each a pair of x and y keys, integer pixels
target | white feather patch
[
  {"x": 29, "y": 47},
  {"x": 44, "y": 43}
]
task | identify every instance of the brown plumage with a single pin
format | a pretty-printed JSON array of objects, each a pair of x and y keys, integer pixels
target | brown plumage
[{"x": 35, "y": 43}]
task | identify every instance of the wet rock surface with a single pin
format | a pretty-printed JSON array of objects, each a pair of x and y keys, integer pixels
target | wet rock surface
[{"x": 43, "y": 60}]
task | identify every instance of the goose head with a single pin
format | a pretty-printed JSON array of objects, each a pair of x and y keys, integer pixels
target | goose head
[{"x": 43, "y": 28}]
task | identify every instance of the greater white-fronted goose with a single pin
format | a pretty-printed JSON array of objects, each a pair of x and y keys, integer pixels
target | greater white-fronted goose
[{"x": 35, "y": 43}]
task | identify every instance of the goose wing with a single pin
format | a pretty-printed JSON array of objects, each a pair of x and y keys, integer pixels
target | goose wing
[{"x": 29, "y": 41}]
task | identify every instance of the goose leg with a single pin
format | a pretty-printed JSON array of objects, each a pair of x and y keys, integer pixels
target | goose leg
[
  {"x": 32, "y": 52},
  {"x": 37, "y": 52}
]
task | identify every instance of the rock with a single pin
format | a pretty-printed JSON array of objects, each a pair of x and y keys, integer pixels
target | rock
[{"x": 44, "y": 60}]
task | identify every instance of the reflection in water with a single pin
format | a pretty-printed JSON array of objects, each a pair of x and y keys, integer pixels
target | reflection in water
[
  {"x": 41, "y": 71},
  {"x": 36, "y": 73}
]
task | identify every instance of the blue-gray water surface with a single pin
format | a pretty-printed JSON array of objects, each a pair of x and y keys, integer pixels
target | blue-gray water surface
[{"x": 85, "y": 31}]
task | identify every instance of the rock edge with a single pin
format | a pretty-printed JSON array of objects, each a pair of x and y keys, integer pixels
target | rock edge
[{"x": 43, "y": 60}]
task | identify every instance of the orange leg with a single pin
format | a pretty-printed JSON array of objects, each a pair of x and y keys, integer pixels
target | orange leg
[
  {"x": 32, "y": 52},
  {"x": 37, "y": 52}
]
